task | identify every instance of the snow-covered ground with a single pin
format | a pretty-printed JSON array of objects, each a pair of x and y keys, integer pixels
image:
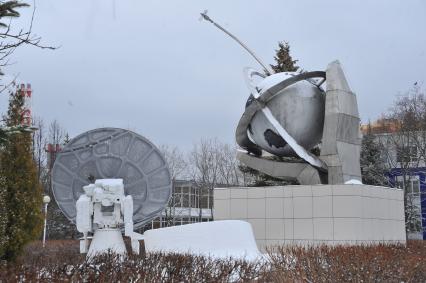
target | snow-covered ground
[
  {"x": 353, "y": 182},
  {"x": 216, "y": 239}
]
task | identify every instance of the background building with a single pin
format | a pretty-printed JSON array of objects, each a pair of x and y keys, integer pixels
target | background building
[
  {"x": 190, "y": 203},
  {"x": 403, "y": 158}
]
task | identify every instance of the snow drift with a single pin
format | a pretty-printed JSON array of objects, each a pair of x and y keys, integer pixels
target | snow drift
[{"x": 217, "y": 239}]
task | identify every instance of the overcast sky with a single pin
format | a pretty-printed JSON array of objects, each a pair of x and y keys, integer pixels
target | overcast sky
[{"x": 152, "y": 67}]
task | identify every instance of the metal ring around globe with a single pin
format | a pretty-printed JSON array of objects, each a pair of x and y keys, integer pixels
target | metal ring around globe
[
  {"x": 107, "y": 153},
  {"x": 259, "y": 103},
  {"x": 249, "y": 73}
]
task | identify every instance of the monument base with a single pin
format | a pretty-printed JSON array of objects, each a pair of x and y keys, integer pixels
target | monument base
[
  {"x": 317, "y": 214},
  {"x": 107, "y": 239}
]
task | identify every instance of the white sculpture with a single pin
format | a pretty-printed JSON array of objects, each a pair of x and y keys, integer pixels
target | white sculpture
[{"x": 103, "y": 210}]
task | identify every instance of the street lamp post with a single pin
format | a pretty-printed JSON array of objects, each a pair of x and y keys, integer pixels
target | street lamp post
[{"x": 46, "y": 200}]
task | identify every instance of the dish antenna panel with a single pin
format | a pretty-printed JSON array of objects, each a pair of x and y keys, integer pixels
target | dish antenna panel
[{"x": 112, "y": 153}]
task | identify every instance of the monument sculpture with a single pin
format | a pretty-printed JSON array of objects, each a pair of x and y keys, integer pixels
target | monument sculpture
[
  {"x": 289, "y": 113},
  {"x": 286, "y": 116}
]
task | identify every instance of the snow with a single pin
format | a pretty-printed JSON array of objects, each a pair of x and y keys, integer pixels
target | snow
[
  {"x": 216, "y": 239},
  {"x": 303, "y": 88},
  {"x": 242, "y": 150},
  {"x": 109, "y": 182},
  {"x": 114, "y": 186},
  {"x": 188, "y": 211},
  {"x": 107, "y": 239},
  {"x": 353, "y": 182},
  {"x": 274, "y": 79}
]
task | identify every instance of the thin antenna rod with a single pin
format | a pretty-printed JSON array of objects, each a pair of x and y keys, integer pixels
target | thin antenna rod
[{"x": 267, "y": 68}]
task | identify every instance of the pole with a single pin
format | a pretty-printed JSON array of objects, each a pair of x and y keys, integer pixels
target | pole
[
  {"x": 45, "y": 225},
  {"x": 46, "y": 200},
  {"x": 267, "y": 68}
]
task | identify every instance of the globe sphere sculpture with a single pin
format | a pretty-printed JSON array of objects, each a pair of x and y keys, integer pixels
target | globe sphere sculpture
[{"x": 299, "y": 108}]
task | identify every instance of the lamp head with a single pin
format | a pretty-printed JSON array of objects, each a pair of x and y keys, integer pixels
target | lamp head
[{"x": 46, "y": 199}]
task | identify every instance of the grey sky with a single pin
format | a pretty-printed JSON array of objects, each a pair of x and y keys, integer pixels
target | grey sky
[{"x": 152, "y": 67}]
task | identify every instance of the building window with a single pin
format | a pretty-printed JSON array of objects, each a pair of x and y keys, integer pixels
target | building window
[
  {"x": 185, "y": 200},
  {"x": 414, "y": 187},
  {"x": 177, "y": 200},
  {"x": 204, "y": 201},
  {"x": 194, "y": 200},
  {"x": 187, "y": 205},
  {"x": 413, "y": 184}
]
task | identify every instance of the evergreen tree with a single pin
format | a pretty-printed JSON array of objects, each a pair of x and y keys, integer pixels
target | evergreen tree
[
  {"x": 8, "y": 10},
  {"x": 4, "y": 238},
  {"x": 372, "y": 165},
  {"x": 66, "y": 139},
  {"x": 20, "y": 189},
  {"x": 283, "y": 59}
]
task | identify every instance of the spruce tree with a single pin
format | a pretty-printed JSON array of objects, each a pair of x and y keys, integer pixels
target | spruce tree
[
  {"x": 371, "y": 161},
  {"x": 66, "y": 139},
  {"x": 20, "y": 188},
  {"x": 8, "y": 10},
  {"x": 284, "y": 61}
]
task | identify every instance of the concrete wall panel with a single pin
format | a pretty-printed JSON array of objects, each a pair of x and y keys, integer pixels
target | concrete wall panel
[
  {"x": 275, "y": 207},
  {"x": 319, "y": 214}
]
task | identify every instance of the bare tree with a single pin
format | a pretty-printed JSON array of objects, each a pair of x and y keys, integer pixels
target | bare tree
[
  {"x": 56, "y": 137},
  {"x": 58, "y": 225},
  {"x": 178, "y": 166},
  {"x": 176, "y": 161},
  {"x": 403, "y": 140},
  {"x": 213, "y": 164},
  {"x": 205, "y": 161},
  {"x": 56, "y": 133},
  {"x": 209, "y": 164},
  {"x": 39, "y": 144},
  {"x": 229, "y": 173},
  {"x": 12, "y": 38}
]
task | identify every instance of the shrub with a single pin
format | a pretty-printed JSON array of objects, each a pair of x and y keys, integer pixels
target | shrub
[{"x": 60, "y": 261}]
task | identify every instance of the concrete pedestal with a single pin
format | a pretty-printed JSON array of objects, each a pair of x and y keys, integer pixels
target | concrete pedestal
[
  {"x": 317, "y": 214},
  {"x": 107, "y": 239}
]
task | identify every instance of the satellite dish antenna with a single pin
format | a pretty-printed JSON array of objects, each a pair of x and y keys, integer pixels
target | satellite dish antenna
[{"x": 112, "y": 153}]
